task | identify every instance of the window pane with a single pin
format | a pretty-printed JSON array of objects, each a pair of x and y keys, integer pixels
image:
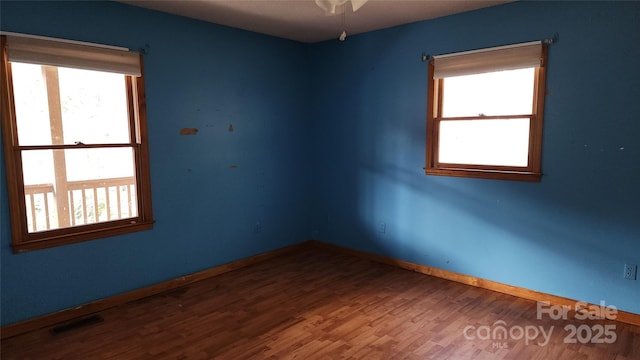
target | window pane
[
  {"x": 88, "y": 164},
  {"x": 485, "y": 142},
  {"x": 32, "y": 110},
  {"x": 94, "y": 107},
  {"x": 91, "y": 185},
  {"x": 83, "y": 106},
  {"x": 497, "y": 93}
]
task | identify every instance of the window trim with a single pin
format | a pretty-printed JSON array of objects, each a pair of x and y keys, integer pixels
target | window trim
[
  {"x": 22, "y": 239},
  {"x": 532, "y": 172}
]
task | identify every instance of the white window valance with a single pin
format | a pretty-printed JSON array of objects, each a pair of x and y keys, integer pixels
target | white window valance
[
  {"x": 66, "y": 53},
  {"x": 501, "y": 58}
]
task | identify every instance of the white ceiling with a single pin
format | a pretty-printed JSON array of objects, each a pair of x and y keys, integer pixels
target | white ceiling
[{"x": 304, "y": 21}]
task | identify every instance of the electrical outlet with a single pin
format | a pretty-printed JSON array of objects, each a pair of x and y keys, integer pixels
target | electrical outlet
[
  {"x": 382, "y": 228},
  {"x": 630, "y": 271},
  {"x": 258, "y": 228}
]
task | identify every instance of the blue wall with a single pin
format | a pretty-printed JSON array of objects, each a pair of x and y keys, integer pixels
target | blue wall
[
  {"x": 197, "y": 75},
  {"x": 570, "y": 234},
  {"x": 330, "y": 142}
]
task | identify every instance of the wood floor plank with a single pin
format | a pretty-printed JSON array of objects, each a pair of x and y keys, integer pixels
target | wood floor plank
[{"x": 317, "y": 304}]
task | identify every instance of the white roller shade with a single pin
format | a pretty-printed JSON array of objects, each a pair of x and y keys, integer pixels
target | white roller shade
[
  {"x": 501, "y": 58},
  {"x": 45, "y": 51}
]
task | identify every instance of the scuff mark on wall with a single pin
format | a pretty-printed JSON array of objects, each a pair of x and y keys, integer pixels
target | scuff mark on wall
[
  {"x": 188, "y": 131},
  {"x": 233, "y": 166}
]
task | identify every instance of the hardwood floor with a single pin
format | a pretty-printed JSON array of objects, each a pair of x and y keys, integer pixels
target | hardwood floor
[{"x": 316, "y": 304}]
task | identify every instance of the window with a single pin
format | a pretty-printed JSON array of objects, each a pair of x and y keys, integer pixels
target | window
[
  {"x": 485, "y": 112},
  {"x": 74, "y": 133}
]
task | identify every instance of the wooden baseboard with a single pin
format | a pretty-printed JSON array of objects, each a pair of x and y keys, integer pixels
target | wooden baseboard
[
  {"x": 103, "y": 304},
  {"x": 622, "y": 316}
]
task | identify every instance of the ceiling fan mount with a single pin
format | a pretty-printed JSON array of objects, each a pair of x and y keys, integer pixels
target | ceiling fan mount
[{"x": 336, "y": 7}]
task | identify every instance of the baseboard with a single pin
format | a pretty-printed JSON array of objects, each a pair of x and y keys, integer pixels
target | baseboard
[
  {"x": 622, "y": 316},
  {"x": 106, "y": 303},
  {"x": 103, "y": 304}
]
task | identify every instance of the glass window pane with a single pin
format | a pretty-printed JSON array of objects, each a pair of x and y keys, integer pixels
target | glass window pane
[
  {"x": 65, "y": 106},
  {"x": 94, "y": 107},
  {"x": 484, "y": 142},
  {"x": 497, "y": 93},
  {"x": 32, "y": 109},
  {"x": 73, "y": 187},
  {"x": 102, "y": 163}
]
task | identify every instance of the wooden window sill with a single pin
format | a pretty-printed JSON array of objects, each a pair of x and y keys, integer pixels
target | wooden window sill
[
  {"x": 487, "y": 174},
  {"x": 79, "y": 234}
]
